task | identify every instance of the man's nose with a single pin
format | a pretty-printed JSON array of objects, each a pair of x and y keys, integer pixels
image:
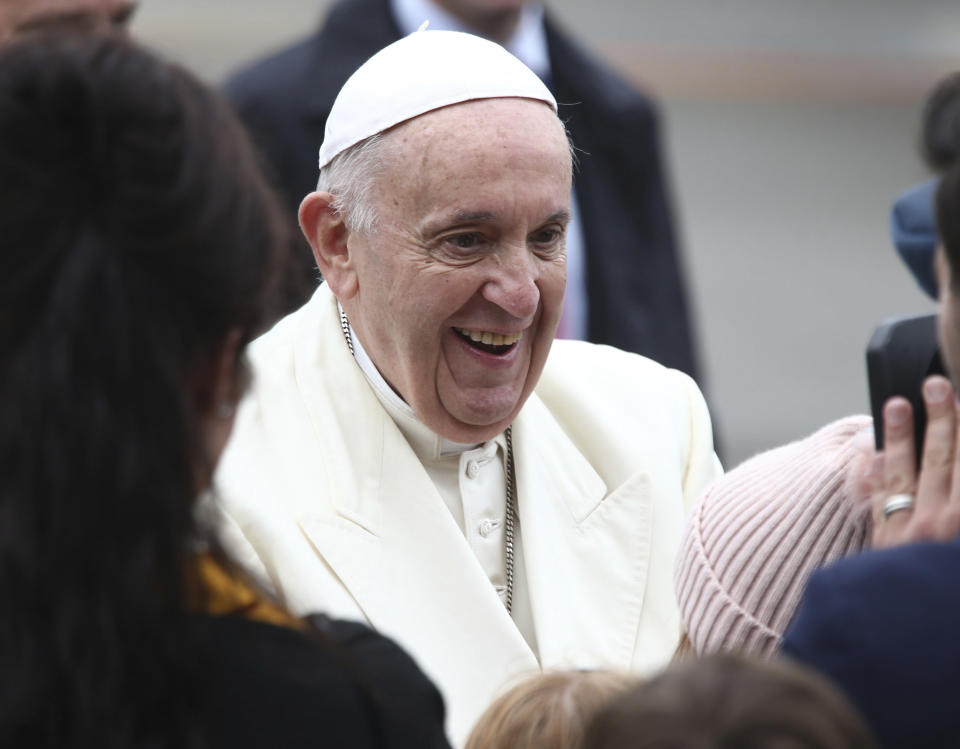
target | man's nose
[{"x": 513, "y": 283}]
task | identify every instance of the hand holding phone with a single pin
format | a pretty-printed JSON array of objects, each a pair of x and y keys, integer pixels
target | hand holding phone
[
  {"x": 901, "y": 354},
  {"x": 919, "y": 501}
]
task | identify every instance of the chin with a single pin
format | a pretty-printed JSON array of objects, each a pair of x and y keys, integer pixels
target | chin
[{"x": 475, "y": 427}]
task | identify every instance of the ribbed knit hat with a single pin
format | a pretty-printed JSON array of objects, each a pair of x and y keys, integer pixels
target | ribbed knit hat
[{"x": 757, "y": 534}]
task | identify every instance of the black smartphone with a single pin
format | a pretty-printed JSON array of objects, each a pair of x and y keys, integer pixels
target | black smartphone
[{"x": 901, "y": 354}]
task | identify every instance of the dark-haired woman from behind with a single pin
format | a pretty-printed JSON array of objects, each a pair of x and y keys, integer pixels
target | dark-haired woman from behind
[{"x": 138, "y": 244}]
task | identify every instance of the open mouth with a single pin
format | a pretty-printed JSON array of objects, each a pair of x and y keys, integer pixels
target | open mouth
[{"x": 490, "y": 343}]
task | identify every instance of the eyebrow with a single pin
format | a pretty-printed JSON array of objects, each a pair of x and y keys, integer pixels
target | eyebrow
[{"x": 471, "y": 217}]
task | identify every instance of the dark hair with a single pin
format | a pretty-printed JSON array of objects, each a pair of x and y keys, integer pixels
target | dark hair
[
  {"x": 948, "y": 220},
  {"x": 941, "y": 145},
  {"x": 940, "y": 124},
  {"x": 135, "y": 234},
  {"x": 730, "y": 702}
]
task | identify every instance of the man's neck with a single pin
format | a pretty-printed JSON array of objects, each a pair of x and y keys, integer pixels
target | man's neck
[
  {"x": 527, "y": 39},
  {"x": 497, "y": 26}
]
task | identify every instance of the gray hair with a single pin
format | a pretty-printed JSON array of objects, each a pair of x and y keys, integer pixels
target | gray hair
[{"x": 351, "y": 178}]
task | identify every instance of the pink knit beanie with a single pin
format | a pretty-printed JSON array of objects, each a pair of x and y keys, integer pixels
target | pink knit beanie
[{"x": 758, "y": 532}]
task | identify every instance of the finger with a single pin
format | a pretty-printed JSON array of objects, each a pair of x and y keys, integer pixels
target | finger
[
  {"x": 952, "y": 520},
  {"x": 899, "y": 470},
  {"x": 874, "y": 482},
  {"x": 936, "y": 467}
]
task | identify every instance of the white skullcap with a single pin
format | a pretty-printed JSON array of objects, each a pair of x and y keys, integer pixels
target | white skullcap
[{"x": 419, "y": 73}]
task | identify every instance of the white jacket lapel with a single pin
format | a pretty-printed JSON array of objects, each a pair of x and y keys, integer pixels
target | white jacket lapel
[{"x": 585, "y": 553}]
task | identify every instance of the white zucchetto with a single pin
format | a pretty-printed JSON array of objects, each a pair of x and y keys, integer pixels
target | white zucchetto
[{"x": 424, "y": 71}]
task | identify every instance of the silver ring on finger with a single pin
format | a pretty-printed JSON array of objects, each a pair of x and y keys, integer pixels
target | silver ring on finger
[{"x": 897, "y": 502}]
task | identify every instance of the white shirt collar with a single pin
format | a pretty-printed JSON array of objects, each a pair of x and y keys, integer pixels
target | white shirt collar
[
  {"x": 427, "y": 444},
  {"x": 528, "y": 42}
]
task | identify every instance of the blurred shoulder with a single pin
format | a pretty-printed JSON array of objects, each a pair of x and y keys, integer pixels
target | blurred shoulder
[
  {"x": 274, "y": 686},
  {"x": 272, "y": 77},
  {"x": 882, "y": 625},
  {"x": 602, "y": 88},
  {"x": 901, "y": 587},
  {"x": 868, "y": 579}
]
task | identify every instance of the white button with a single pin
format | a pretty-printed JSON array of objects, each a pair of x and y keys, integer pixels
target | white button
[
  {"x": 488, "y": 526},
  {"x": 473, "y": 469}
]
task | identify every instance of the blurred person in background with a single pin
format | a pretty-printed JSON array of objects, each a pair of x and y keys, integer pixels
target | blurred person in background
[
  {"x": 25, "y": 15},
  {"x": 625, "y": 285},
  {"x": 138, "y": 243},
  {"x": 724, "y": 700},
  {"x": 883, "y": 624}
]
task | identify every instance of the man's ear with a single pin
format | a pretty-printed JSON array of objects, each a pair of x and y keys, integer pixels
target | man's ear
[{"x": 327, "y": 234}]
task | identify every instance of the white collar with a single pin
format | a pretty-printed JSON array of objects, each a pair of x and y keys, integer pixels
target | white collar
[
  {"x": 427, "y": 444},
  {"x": 528, "y": 42}
]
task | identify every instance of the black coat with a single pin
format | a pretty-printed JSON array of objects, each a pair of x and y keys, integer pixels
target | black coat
[
  {"x": 267, "y": 686},
  {"x": 636, "y": 294}
]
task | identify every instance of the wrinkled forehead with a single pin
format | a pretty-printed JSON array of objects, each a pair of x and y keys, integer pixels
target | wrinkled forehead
[
  {"x": 457, "y": 151},
  {"x": 483, "y": 127},
  {"x": 477, "y": 119},
  {"x": 475, "y": 138}
]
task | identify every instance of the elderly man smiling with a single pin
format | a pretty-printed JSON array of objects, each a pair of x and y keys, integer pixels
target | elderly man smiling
[{"x": 416, "y": 451}]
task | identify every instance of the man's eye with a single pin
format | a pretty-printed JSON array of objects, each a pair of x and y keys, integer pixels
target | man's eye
[
  {"x": 547, "y": 237},
  {"x": 465, "y": 241}
]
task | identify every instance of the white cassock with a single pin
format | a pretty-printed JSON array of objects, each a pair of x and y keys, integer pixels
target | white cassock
[{"x": 328, "y": 502}]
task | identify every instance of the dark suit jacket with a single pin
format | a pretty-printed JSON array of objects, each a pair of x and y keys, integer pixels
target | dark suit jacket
[
  {"x": 637, "y": 298},
  {"x": 885, "y": 626}
]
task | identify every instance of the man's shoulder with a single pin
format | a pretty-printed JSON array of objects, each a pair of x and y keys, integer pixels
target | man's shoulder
[
  {"x": 907, "y": 588},
  {"x": 603, "y": 388},
  {"x": 313, "y": 69},
  {"x": 273, "y": 76},
  {"x": 866, "y": 580},
  {"x": 271, "y": 351},
  {"x": 602, "y": 366}
]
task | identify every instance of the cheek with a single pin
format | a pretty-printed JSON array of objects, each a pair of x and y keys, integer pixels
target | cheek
[
  {"x": 949, "y": 331},
  {"x": 553, "y": 282}
]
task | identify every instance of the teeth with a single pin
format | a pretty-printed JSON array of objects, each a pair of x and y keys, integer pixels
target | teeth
[{"x": 491, "y": 339}]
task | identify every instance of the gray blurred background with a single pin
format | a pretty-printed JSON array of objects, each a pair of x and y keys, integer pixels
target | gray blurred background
[{"x": 789, "y": 126}]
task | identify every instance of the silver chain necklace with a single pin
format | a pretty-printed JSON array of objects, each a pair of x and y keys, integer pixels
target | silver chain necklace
[
  {"x": 510, "y": 519},
  {"x": 509, "y": 525}
]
